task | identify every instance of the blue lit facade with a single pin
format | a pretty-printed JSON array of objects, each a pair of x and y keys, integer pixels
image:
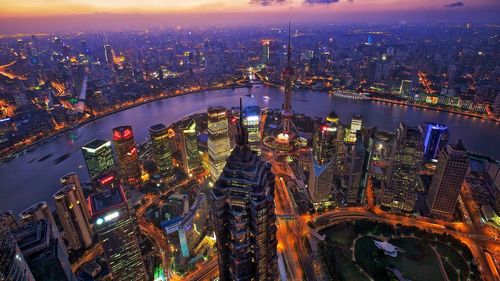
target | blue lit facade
[{"x": 435, "y": 137}]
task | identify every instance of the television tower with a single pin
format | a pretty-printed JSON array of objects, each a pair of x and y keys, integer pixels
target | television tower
[{"x": 288, "y": 72}]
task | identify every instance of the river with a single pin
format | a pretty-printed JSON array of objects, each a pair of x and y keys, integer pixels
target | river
[{"x": 24, "y": 181}]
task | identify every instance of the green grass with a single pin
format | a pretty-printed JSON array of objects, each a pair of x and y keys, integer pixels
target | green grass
[
  {"x": 418, "y": 262},
  {"x": 453, "y": 257},
  {"x": 450, "y": 271},
  {"x": 342, "y": 234}
]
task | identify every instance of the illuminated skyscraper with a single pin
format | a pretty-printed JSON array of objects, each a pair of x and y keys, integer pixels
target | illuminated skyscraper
[
  {"x": 73, "y": 214},
  {"x": 321, "y": 182},
  {"x": 356, "y": 123},
  {"x": 189, "y": 146},
  {"x": 218, "y": 140},
  {"x": 435, "y": 137},
  {"x": 98, "y": 156},
  {"x": 447, "y": 180},
  {"x": 400, "y": 191},
  {"x": 327, "y": 139},
  {"x": 116, "y": 230},
  {"x": 13, "y": 266},
  {"x": 405, "y": 88},
  {"x": 245, "y": 221},
  {"x": 352, "y": 180},
  {"x": 129, "y": 166},
  {"x": 161, "y": 151},
  {"x": 251, "y": 121},
  {"x": 265, "y": 51}
]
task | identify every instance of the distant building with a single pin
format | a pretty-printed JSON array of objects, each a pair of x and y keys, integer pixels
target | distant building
[
  {"x": 244, "y": 216},
  {"x": 161, "y": 152},
  {"x": 98, "y": 156},
  {"x": 356, "y": 123},
  {"x": 129, "y": 166},
  {"x": 46, "y": 256},
  {"x": 218, "y": 140},
  {"x": 72, "y": 211},
  {"x": 265, "y": 51},
  {"x": 189, "y": 146},
  {"x": 435, "y": 137},
  {"x": 13, "y": 265},
  {"x": 400, "y": 191},
  {"x": 406, "y": 88},
  {"x": 447, "y": 181},
  {"x": 116, "y": 230},
  {"x": 251, "y": 121}
]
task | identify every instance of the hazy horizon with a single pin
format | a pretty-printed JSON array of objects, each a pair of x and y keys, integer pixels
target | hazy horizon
[{"x": 253, "y": 13}]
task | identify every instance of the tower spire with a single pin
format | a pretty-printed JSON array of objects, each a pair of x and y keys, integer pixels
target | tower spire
[
  {"x": 242, "y": 138},
  {"x": 289, "y": 51}
]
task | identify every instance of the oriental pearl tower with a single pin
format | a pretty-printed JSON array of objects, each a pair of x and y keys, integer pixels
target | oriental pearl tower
[{"x": 286, "y": 138}]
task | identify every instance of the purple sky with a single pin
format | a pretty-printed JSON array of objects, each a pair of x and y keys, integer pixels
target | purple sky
[{"x": 42, "y": 16}]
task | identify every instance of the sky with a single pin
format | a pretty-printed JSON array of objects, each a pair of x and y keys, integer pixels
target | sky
[{"x": 47, "y": 15}]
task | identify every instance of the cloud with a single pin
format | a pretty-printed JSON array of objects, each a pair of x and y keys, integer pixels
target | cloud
[
  {"x": 267, "y": 2},
  {"x": 455, "y": 5},
  {"x": 314, "y": 2}
]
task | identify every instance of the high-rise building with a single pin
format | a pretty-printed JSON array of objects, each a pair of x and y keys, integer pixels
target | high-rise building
[
  {"x": 189, "y": 146},
  {"x": 405, "y": 88},
  {"x": 435, "y": 137},
  {"x": 116, "y": 230},
  {"x": 447, "y": 180},
  {"x": 98, "y": 156},
  {"x": 40, "y": 211},
  {"x": 129, "y": 166},
  {"x": 218, "y": 140},
  {"x": 13, "y": 266},
  {"x": 161, "y": 152},
  {"x": 356, "y": 123},
  {"x": 251, "y": 121},
  {"x": 245, "y": 220},
  {"x": 108, "y": 53},
  {"x": 265, "y": 51},
  {"x": 352, "y": 180},
  {"x": 45, "y": 254},
  {"x": 320, "y": 186},
  {"x": 400, "y": 191},
  {"x": 73, "y": 215},
  {"x": 327, "y": 139}
]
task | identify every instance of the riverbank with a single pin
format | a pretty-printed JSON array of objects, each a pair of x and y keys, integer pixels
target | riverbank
[{"x": 9, "y": 155}]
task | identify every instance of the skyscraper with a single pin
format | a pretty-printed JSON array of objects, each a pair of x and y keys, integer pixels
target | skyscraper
[
  {"x": 71, "y": 208},
  {"x": 189, "y": 145},
  {"x": 245, "y": 221},
  {"x": 115, "y": 229},
  {"x": 45, "y": 254},
  {"x": 126, "y": 154},
  {"x": 435, "y": 137},
  {"x": 447, "y": 180},
  {"x": 13, "y": 266},
  {"x": 40, "y": 211},
  {"x": 352, "y": 181},
  {"x": 98, "y": 156},
  {"x": 356, "y": 123},
  {"x": 400, "y": 191},
  {"x": 251, "y": 121},
  {"x": 218, "y": 140},
  {"x": 265, "y": 51},
  {"x": 161, "y": 151},
  {"x": 327, "y": 139}
]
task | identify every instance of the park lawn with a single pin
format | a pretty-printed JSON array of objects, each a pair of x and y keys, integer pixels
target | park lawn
[
  {"x": 450, "y": 271},
  {"x": 454, "y": 258},
  {"x": 342, "y": 234},
  {"x": 418, "y": 262}
]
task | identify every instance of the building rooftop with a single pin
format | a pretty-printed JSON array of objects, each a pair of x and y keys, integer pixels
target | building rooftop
[
  {"x": 158, "y": 129},
  {"x": 33, "y": 237},
  {"x": 96, "y": 143},
  {"x": 106, "y": 199}
]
